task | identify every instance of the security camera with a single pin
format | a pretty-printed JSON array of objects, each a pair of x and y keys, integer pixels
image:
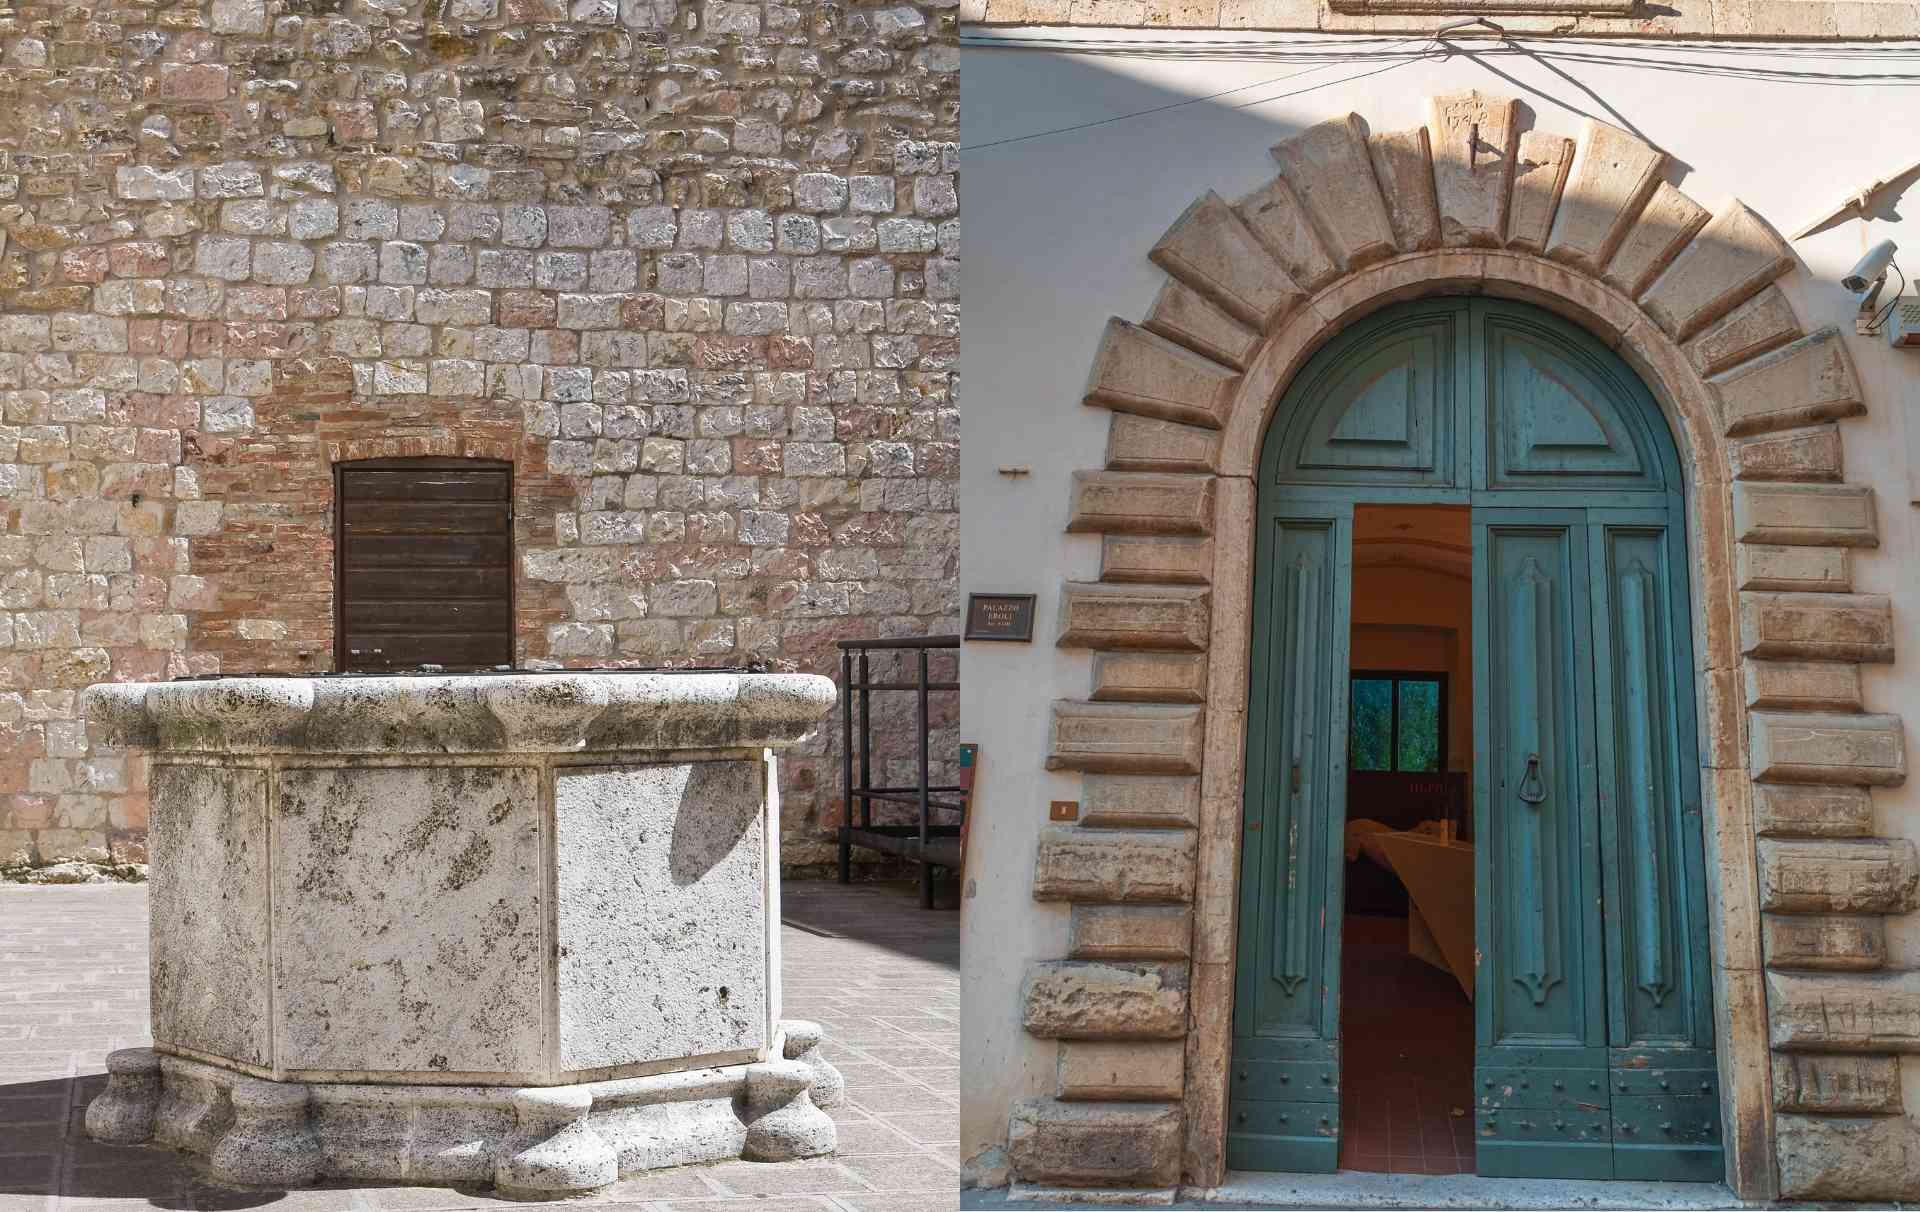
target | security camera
[{"x": 1872, "y": 268}]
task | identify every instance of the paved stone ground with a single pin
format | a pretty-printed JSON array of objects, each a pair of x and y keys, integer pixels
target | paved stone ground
[{"x": 881, "y": 975}]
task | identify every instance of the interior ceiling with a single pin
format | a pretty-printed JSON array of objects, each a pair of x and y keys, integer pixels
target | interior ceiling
[{"x": 1435, "y": 538}]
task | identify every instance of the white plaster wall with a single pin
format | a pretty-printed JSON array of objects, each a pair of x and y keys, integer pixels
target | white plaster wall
[{"x": 1061, "y": 227}]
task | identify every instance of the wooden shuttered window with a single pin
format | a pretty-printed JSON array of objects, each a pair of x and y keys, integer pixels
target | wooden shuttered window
[{"x": 424, "y": 560}]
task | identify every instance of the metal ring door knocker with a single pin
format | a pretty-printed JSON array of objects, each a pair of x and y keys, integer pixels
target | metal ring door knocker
[{"x": 1533, "y": 788}]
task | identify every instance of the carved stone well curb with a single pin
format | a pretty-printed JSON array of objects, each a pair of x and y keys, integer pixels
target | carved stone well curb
[{"x": 519, "y": 929}]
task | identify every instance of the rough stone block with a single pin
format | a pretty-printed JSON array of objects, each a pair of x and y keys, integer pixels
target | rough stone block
[
  {"x": 1149, "y": 677},
  {"x": 1539, "y": 179},
  {"x": 1402, "y": 166},
  {"x": 1474, "y": 139},
  {"x": 1763, "y": 323},
  {"x": 1329, "y": 171},
  {"x": 1802, "y": 685},
  {"x": 1152, "y": 560},
  {"x": 1136, "y": 371},
  {"x": 1850, "y": 1012},
  {"x": 1274, "y": 215},
  {"x": 1792, "y": 569},
  {"x": 1817, "y": 626},
  {"x": 1735, "y": 256},
  {"x": 1868, "y": 876},
  {"x": 1656, "y": 238},
  {"x": 1114, "y": 866},
  {"x": 1846, "y": 1157},
  {"x": 1140, "y": 932},
  {"x": 1805, "y": 515},
  {"x": 1121, "y": 502},
  {"x": 1786, "y": 811},
  {"x": 1129, "y": 1072},
  {"x": 1837, "y": 1085},
  {"x": 1095, "y": 1144},
  {"x": 1821, "y": 942},
  {"x": 1136, "y": 443},
  {"x": 1807, "y": 381},
  {"x": 1078, "y": 999},
  {"x": 1805, "y": 747},
  {"x": 1211, "y": 250},
  {"x": 1150, "y": 801},
  {"x": 1184, "y": 316},
  {"x": 1800, "y": 455},
  {"x": 1125, "y": 738},
  {"x": 1094, "y": 615},
  {"x": 1614, "y": 174}
]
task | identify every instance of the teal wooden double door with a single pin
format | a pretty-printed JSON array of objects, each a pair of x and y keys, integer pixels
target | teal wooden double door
[{"x": 1594, "y": 1051}]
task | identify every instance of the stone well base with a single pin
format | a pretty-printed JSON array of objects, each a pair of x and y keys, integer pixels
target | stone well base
[{"x": 541, "y": 1141}]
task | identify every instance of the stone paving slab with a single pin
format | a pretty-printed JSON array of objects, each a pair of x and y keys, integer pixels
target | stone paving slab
[{"x": 880, "y": 974}]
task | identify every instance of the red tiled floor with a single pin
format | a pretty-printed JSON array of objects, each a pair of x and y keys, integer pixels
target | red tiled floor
[{"x": 1407, "y": 1044}]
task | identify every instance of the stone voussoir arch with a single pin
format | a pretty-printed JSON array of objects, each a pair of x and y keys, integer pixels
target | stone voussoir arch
[{"x": 1592, "y": 229}]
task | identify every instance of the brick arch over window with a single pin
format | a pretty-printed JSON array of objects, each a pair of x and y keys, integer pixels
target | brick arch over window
[{"x": 1590, "y": 229}]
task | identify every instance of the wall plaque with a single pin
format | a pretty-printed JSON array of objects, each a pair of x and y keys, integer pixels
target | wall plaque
[{"x": 1000, "y": 616}]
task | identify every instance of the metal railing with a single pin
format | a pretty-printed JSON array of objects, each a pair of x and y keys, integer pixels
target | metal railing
[{"x": 924, "y": 842}]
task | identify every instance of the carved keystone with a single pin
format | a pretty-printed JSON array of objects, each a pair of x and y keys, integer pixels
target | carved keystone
[
  {"x": 1614, "y": 174},
  {"x": 1129, "y": 1072},
  {"x": 1837, "y": 1085},
  {"x": 1110, "y": 932},
  {"x": 1094, "y": 615},
  {"x": 1125, "y": 738},
  {"x": 1855, "y": 1012},
  {"x": 1859, "y": 750},
  {"x": 1817, "y": 626},
  {"x": 1824, "y": 942},
  {"x": 1805, "y": 515},
  {"x": 1211, "y": 250},
  {"x": 1876, "y": 876},
  {"x": 1785, "y": 811},
  {"x": 1539, "y": 178},
  {"x": 1095, "y": 1144},
  {"x": 1735, "y": 256},
  {"x": 1077, "y": 999},
  {"x": 1136, "y": 371},
  {"x": 1120, "y": 502},
  {"x": 1798, "y": 384},
  {"x": 1328, "y": 169},
  {"x": 1474, "y": 139},
  {"x": 1114, "y": 866}
]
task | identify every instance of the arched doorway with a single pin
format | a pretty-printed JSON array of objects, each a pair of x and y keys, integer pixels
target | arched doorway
[{"x": 1497, "y": 438}]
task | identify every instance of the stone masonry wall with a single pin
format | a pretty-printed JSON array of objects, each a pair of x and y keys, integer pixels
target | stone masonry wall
[{"x": 691, "y": 266}]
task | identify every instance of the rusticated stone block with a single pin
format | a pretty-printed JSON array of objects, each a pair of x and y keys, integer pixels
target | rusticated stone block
[
  {"x": 1094, "y": 615},
  {"x": 1793, "y": 569},
  {"x": 1871, "y": 876},
  {"x": 1150, "y": 560},
  {"x": 1095, "y": 1144},
  {"x": 1136, "y": 371},
  {"x": 1141, "y": 932},
  {"x": 1211, "y": 250},
  {"x": 1614, "y": 173},
  {"x": 1787, "y": 811},
  {"x": 1474, "y": 140},
  {"x": 1805, "y": 747},
  {"x": 1405, "y": 173},
  {"x": 1656, "y": 238},
  {"x": 1328, "y": 169},
  {"x": 1734, "y": 257},
  {"x": 1184, "y": 316},
  {"x": 1854, "y": 1012},
  {"x": 1837, "y": 1085},
  {"x": 1125, "y": 738},
  {"x": 1827, "y": 943},
  {"x": 1078, "y": 999},
  {"x": 1817, "y": 626},
  {"x": 1805, "y": 515},
  {"x": 1125, "y": 502},
  {"x": 1136, "y": 443},
  {"x": 1764, "y": 322},
  {"x": 1802, "y": 685},
  {"x": 1139, "y": 800},
  {"x": 1114, "y": 866},
  {"x": 1274, "y": 215},
  {"x": 1539, "y": 178},
  {"x": 1130, "y": 1072},
  {"x": 1807, "y": 381},
  {"x": 1812, "y": 455},
  {"x": 1149, "y": 677},
  {"x": 1845, "y": 1156}
]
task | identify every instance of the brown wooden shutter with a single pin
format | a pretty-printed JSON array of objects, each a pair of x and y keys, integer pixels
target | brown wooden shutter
[{"x": 425, "y": 559}]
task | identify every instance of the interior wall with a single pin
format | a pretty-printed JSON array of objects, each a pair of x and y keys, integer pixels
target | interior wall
[{"x": 1417, "y": 619}]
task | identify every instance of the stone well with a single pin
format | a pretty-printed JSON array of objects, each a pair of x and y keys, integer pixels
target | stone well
[{"x": 519, "y": 928}]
